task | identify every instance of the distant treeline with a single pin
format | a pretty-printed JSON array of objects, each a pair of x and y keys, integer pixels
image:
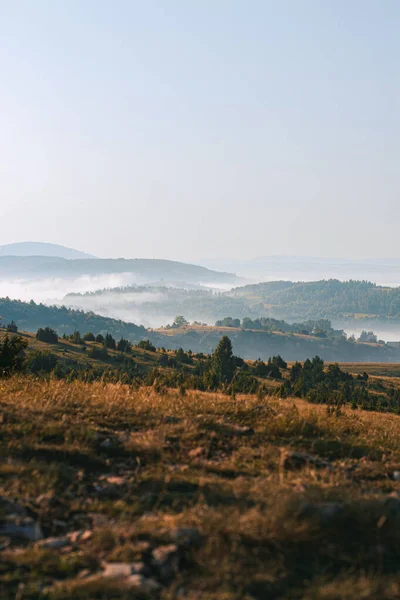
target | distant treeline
[
  {"x": 29, "y": 316},
  {"x": 248, "y": 343},
  {"x": 319, "y": 328},
  {"x": 324, "y": 299}
]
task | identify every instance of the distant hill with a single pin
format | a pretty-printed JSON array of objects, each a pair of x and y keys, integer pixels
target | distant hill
[
  {"x": 302, "y": 268},
  {"x": 143, "y": 270},
  {"x": 29, "y": 316},
  {"x": 41, "y": 249},
  {"x": 323, "y": 299},
  {"x": 248, "y": 344}
]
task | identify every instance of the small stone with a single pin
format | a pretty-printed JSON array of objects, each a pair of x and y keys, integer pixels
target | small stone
[
  {"x": 142, "y": 547},
  {"x": 115, "y": 480},
  {"x": 396, "y": 475},
  {"x": 74, "y": 537},
  {"x": 117, "y": 570},
  {"x": 138, "y": 567},
  {"x": 142, "y": 584},
  {"x": 84, "y": 573},
  {"x": 86, "y": 535},
  {"x": 54, "y": 542},
  {"x": 26, "y": 529},
  {"x": 166, "y": 561},
  {"x": 196, "y": 452},
  {"x": 109, "y": 444},
  {"x": 242, "y": 430}
]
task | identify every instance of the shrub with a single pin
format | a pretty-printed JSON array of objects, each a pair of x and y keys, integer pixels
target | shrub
[
  {"x": 41, "y": 361},
  {"x": 47, "y": 335},
  {"x": 124, "y": 345},
  {"x": 12, "y": 327},
  {"x": 76, "y": 338},
  {"x": 12, "y": 354},
  {"x": 146, "y": 345},
  {"x": 98, "y": 353},
  {"x": 109, "y": 341},
  {"x": 99, "y": 339},
  {"x": 89, "y": 337}
]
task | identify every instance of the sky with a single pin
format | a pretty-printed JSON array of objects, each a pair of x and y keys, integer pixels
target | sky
[{"x": 198, "y": 129}]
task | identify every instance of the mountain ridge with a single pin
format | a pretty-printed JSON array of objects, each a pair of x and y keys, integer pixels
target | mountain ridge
[{"x": 42, "y": 249}]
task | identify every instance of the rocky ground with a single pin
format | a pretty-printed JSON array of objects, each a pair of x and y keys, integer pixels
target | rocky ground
[{"x": 107, "y": 492}]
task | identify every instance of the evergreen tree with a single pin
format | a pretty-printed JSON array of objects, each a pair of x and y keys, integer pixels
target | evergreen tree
[
  {"x": 109, "y": 341},
  {"x": 223, "y": 361}
]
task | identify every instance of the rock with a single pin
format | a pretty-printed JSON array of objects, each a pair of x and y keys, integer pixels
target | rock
[
  {"x": 120, "y": 570},
  {"x": 26, "y": 529},
  {"x": 74, "y": 537},
  {"x": 166, "y": 560},
  {"x": 142, "y": 584},
  {"x": 114, "y": 480},
  {"x": 117, "y": 569},
  {"x": 54, "y": 542},
  {"x": 196, "y": 452},
  {"x": 142, "y": 547},
  {"x": 298, "y": 460},
  {"x": 186, "y": 536},
  {"x": 109, "y": 443},
  {"x": 15, "y": 523},
  {"x": 86, "y": 535},
  {"x": 241, "y": 430},
  {"x": 83, "y": 573},
  {"x": 396, "y": 475}
]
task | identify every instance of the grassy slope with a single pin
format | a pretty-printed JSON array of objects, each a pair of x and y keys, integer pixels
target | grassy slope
[
  {"x": 268, "y": 530},
  {"x": 66, "y": 351},
  {"x": 252, "y": 344}
]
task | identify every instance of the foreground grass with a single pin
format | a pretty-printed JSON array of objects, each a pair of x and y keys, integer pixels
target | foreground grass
[{"x": 131, "y": 468}]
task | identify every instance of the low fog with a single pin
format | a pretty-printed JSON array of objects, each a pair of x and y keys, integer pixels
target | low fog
[
  {"x": 154, "y": 307},
  {"x": 127, "y": 307},
  {"x": 52, "y": 291}
]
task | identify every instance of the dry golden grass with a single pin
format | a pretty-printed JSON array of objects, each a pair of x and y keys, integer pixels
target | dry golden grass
[{"x": 207, "y": 461}]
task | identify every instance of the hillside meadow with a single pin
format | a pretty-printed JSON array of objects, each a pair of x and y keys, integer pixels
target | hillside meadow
[{"x": 111, "y": 492}]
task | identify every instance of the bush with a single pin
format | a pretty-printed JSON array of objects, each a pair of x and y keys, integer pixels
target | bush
[
  {"x": 12, "y": 354},
  {"x": 41, "y": 362},
  {"x": 89, "y": 337},
  {"x": 109, "y": 341},
  {"x": 99, "y": 339},
  {"x": 124, "y": 345},
  {"x": 12, "y": 327},
  {"x": 47, "y": 335},
  {"x": 98, "y": 353},
  {"x": 76, "y": 338},
  {"x": 146, "y": 345}
]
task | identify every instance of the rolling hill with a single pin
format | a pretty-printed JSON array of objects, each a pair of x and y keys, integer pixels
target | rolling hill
[
  {"x": 141, "y": 270},
  {"x": 322, "y": 299},
  {"x": 247, "y": 343},
  {"x": 41, "y": 249}
]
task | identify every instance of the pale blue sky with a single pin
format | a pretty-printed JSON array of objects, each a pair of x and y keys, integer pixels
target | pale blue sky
[{"x": 187, "y": 129}]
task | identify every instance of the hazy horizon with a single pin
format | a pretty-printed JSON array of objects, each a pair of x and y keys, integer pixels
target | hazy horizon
[{"x": 207, "y": 130}]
